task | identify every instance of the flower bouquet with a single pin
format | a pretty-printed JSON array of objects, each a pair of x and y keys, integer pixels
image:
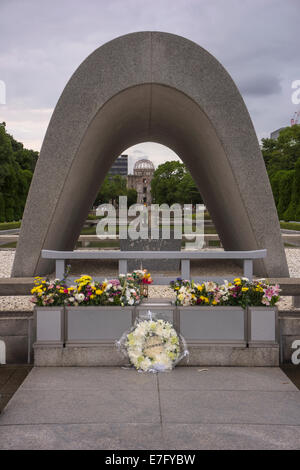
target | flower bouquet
[
  {"x": 240, "y": 292},
  {"x": 152, "y": 345}
]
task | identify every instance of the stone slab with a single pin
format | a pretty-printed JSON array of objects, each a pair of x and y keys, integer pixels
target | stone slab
[
  {"x": 152, "y": 245},
  {"x": 16, "y": 286},
  {"x": 114, "y": 408},
  {"x": 226, "y": 378},
  {"x": 221, "y": 406},
  {"x": 227, "y": 355},
  {"x": 110, "y": 436},
  {"x": 230, "y": 437},
  {"x": 81, "y": 406},
  {"x": 89, "y": 378},
  {"x": 200, "y": 355}
]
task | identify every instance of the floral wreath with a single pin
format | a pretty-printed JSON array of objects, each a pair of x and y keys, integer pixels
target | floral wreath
[{"x": 153, "y": 345}]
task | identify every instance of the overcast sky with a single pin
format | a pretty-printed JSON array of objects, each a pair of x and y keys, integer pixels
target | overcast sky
[{"x": 42, "y": 42}]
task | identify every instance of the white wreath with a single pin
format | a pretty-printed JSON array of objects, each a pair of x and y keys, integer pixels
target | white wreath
[{"x": 153, "y": 345}]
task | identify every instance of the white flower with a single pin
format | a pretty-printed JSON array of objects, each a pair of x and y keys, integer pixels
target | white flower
[
  {"x": 79, "y": 297},
  {"x": 71, "y": 299}
]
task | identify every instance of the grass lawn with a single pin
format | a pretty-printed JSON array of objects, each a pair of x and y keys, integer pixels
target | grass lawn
[
  {"x": 290, "y": 226},
  {"x": 9, "y": 225}
]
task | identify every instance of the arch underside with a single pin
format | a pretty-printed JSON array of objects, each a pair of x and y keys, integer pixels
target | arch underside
[{"x": 208, "y": 128}]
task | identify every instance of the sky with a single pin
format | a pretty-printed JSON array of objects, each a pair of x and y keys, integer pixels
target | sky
[{"x": 42, "y": 42}]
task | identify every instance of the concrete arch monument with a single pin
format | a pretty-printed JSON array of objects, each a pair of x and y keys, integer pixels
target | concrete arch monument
[{"x": 150, "y": 86}]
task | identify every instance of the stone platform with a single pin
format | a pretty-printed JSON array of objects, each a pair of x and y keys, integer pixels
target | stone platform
[
  {"x": 188, "y": 408},
  {"x": 106, "y": 354}
]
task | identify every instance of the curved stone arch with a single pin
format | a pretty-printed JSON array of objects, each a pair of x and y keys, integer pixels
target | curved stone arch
[{"x": 150, "y": 86}]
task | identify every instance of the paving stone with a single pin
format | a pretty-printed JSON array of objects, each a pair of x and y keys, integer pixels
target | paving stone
[
  {"x": 81, "y": 406},
  {"x": 237, "y": 407},
  {"x": 225, "y": 378},
  {"x": 233, "y": 436},
  {"x": 82, "y": 436},
  {"x": 89, "y": 378}
]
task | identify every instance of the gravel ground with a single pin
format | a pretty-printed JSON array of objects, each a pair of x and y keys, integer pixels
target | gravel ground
[{"x": 209, "y": 268}]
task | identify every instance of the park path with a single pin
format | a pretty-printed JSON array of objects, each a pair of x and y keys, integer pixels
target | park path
[{"x": 188, "y": 408}]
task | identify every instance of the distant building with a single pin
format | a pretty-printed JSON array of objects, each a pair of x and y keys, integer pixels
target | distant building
[
  {"x": 275, "y": 134},
  {"x": 141, "y": 180},
  {"x": 120, "y": 166}
]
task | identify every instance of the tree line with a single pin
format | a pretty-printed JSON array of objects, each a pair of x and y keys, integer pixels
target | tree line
[
  {"x": 16, "y": 169},
  {"x": 282, "y": 160}
]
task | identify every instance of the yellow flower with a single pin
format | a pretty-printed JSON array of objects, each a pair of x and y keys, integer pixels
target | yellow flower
[
  {"x": 206, "y": 300},
  {"x": 92, "y": 296},
  {"x": 244, "y": 289},
  {"x": 99, "y": 291},
  {"x": 199, "y": 287},
  {"x": 237, "y": 279},
  {"x": 214, "y": 302}
]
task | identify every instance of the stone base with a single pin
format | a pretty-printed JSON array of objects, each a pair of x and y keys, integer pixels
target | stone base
[
  {"x": 200, "y": 355},
  {"x": 228, "y": 355}
]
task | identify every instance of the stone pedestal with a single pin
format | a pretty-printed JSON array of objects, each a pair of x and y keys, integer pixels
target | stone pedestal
[{"x": 152, "y": 245}]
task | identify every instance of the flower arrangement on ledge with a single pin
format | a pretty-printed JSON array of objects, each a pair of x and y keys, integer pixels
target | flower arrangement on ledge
[
  {"x": 143, "y": 278},
  {"x": 126, "y": 290},
  {"x": 241, "y": 292}
]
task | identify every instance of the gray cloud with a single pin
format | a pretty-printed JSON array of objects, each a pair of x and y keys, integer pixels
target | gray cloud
[
  {"x": 43, "y": 42},
  {"x": 260, "y": 85}
]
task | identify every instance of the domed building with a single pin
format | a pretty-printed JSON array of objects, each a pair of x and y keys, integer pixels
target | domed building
[{"x": 141, "y": 180}]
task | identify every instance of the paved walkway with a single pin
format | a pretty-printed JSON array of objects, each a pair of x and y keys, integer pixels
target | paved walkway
[{"x": 188, "y": 408}]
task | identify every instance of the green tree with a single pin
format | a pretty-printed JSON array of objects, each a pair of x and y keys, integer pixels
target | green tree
[
  {"x": 16, "y": 169},
  {"x": 285, "y": 191},
  {"x": 110, "y": 190},
  {"x": 282, "y": 154},
  {"x": 293, "y": 209},
  {"x": 173, "y": 183},
  {"x": 282, "y": 160},
  {"x": 131, "y": 196}
]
